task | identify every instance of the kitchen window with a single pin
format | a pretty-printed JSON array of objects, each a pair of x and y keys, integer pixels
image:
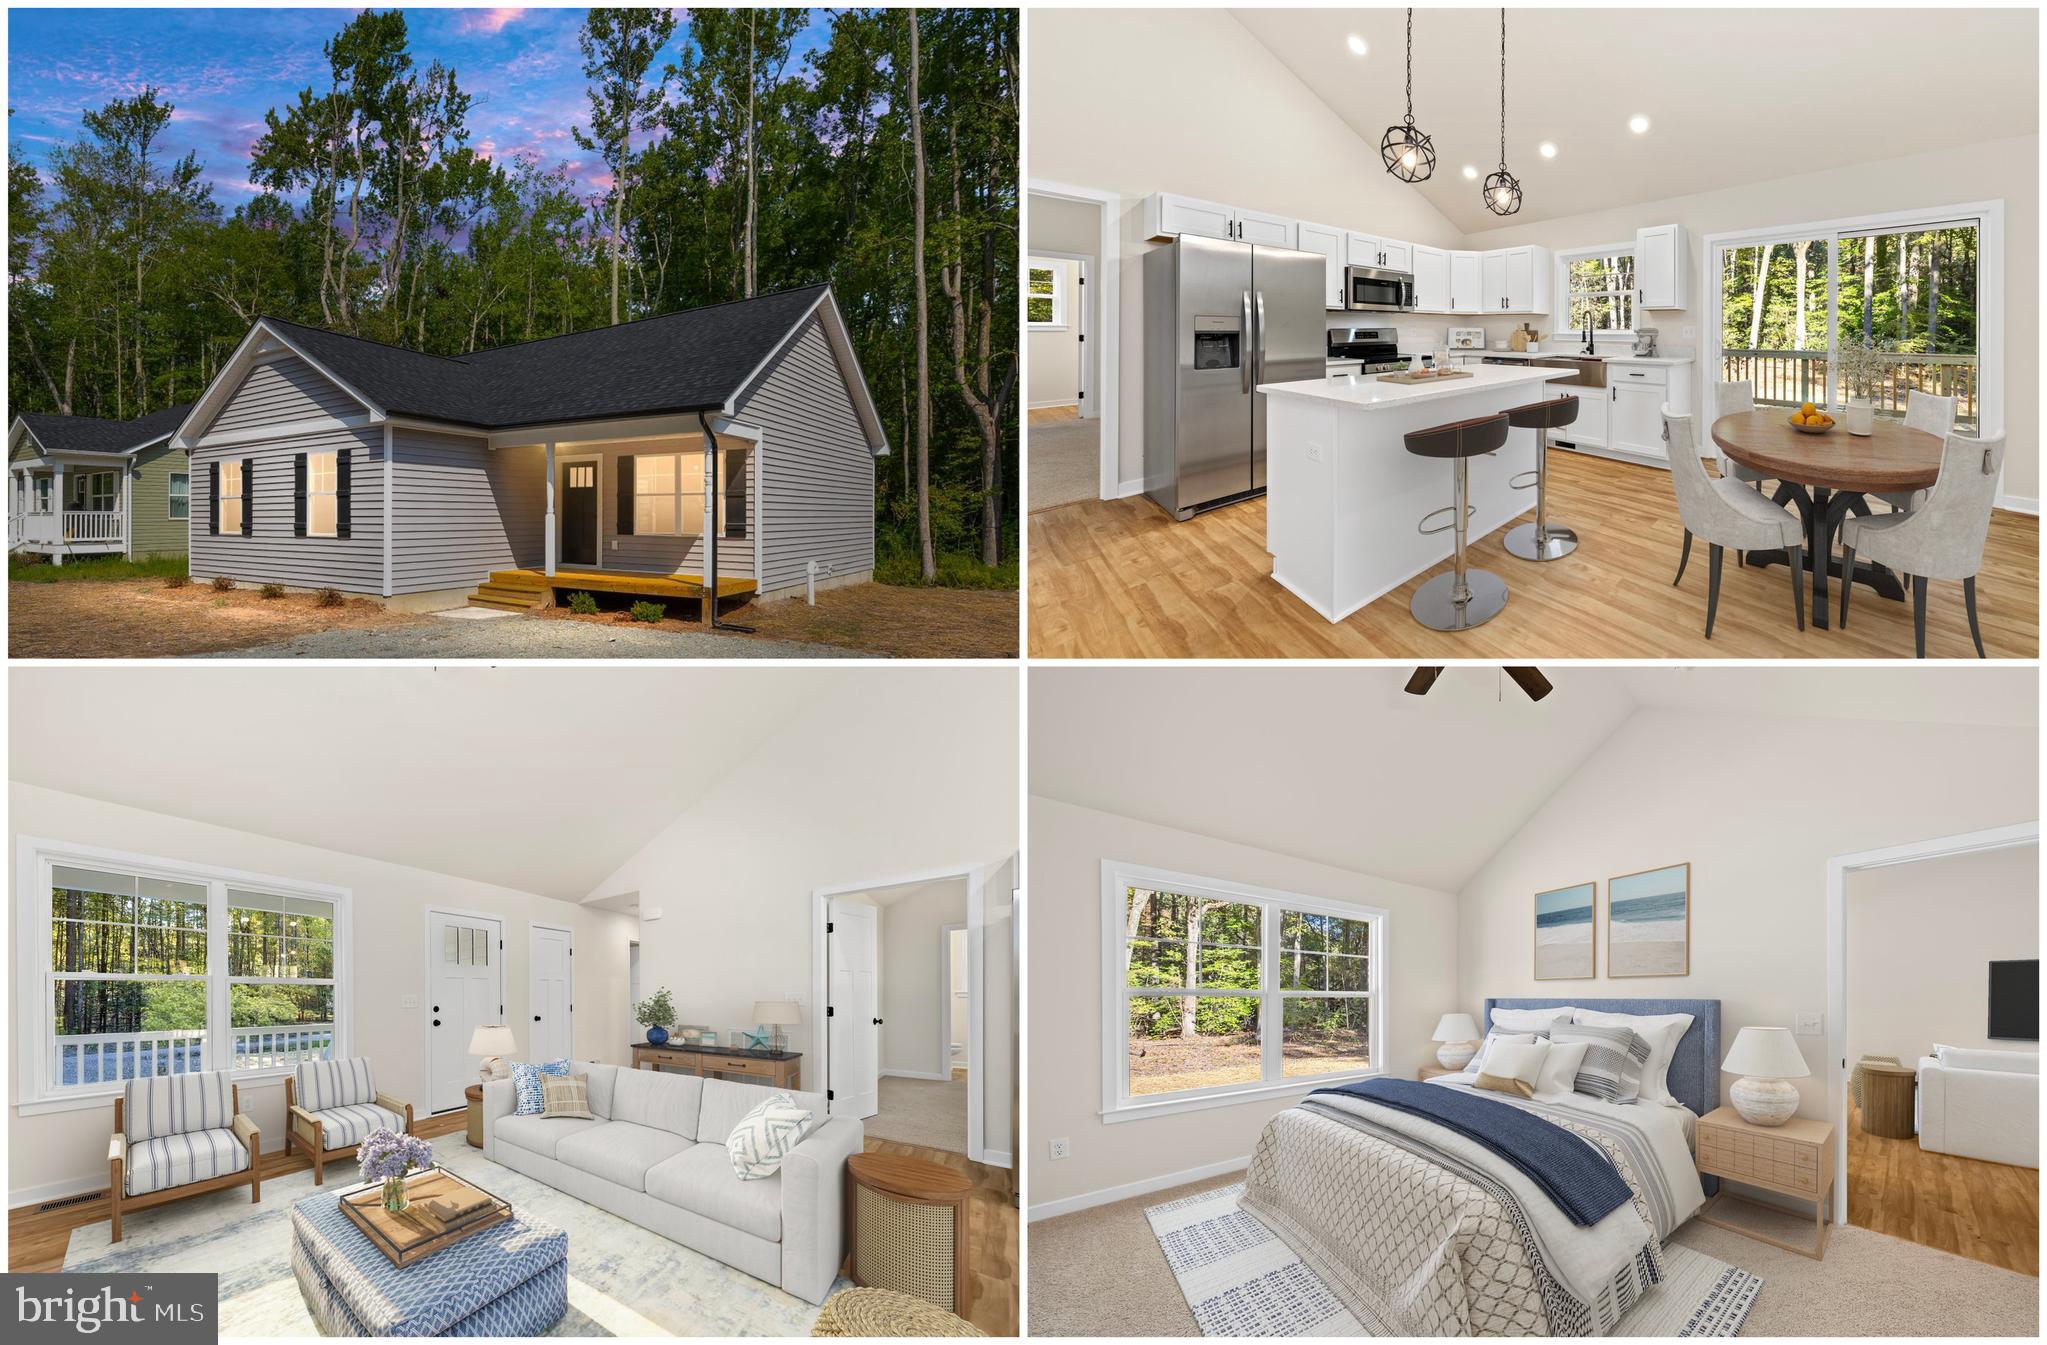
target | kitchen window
[
  {"x": 322, "y": 480},
  {"x": 181, "y": 495},
  {"x": 1215, "y": 991},
  {"x": 231, "y": 496},
  {"x": 1045, "y": 305},
  {"x": 1600, "y": 289}
]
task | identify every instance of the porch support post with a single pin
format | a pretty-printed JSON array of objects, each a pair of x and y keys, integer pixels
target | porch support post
[
  {"x": 128, "y": 470},
  {"x": 57, "y": 484},
  {"x": 550, "y": 509}
]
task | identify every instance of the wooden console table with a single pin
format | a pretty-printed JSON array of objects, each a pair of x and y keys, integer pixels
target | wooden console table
[{"x": 783, "y": 1069}]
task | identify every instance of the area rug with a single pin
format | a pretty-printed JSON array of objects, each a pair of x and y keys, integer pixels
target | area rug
[
  {"x": 1064, "y": 458},
  {"x": 1241, "y": 1280},
  {"x": 927, "y": 1112},
  {"x": 623, "y": 1279}
]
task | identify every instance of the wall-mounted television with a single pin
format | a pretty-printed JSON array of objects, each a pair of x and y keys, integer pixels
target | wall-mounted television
[{"x": 2015, "y": 1000}]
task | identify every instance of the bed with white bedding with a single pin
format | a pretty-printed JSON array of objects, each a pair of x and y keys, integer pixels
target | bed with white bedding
[{"x": 1421, "y": 1229}]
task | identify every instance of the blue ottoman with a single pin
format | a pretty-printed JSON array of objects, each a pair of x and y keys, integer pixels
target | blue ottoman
[{"x": 512, "y": 1279}]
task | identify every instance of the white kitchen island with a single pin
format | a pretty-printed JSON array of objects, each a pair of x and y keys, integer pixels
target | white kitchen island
[{"x": 1344, "y": 497}]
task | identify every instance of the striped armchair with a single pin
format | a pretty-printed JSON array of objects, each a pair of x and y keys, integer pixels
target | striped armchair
[
  {"x": 330, "y": 1106},
  {"x": 177, "y": 1136}
]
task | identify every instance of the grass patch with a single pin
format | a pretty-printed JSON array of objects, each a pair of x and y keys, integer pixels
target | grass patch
[
  {"x": 955, "y": 570},
  {"x": 85, "y": 569}
]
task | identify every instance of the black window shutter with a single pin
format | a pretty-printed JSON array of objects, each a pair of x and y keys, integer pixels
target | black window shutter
[
  {"x": 625, "y": 496},
  {"x": 213, "y": 497},
  {"x": 298, "y": 494},
  {"x": 248, "y": 497},
  {"x": 341, "y": 495}
]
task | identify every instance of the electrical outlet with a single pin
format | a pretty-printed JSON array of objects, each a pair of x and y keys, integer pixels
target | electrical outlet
[
  {"x": 1810, "y": 1025},
  {"x": 408, "y": 1001},
  {"x": 1314, "y": 452},
  {"x": 1062, "y": 1148},
  {"x": 1688, "y": 332}
]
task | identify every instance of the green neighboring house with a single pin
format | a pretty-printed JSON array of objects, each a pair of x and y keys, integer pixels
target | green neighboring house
[{"x": 85, "y": 487}]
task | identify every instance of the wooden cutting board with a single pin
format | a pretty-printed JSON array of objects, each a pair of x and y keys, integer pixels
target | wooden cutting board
[{"x": 1425, "y": 378}]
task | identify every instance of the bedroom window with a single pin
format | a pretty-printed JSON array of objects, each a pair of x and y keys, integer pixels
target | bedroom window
[
  {"x": 231, "y": 496},
  {"x": 1215, "y": 990},
  {"x": 322, "y": 479},
  {"x": 181, "y": 495}
]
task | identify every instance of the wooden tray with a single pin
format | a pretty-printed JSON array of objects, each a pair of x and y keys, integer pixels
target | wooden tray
[
  {"x": 409, "y": 1237},
  {"x": 1425, "y": 378}
]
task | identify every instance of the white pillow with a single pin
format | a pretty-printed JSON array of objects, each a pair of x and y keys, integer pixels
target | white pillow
[
  {"x": 765, "y": 1135},
  {"x": 1531, "y": 1020},
  {"x": 1491, "y": 1039},
  {"x": 1560, "y": 1069},
  {"x": 1997, "y": 1062},
  {"x": 1662, "y": 1032},
  {"x": 1516, "y": 1063}
]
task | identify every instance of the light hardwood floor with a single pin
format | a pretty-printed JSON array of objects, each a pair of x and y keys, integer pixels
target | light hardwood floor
[
  {"x": 1116, "y": 579},
  {"x": 36, "y": 1239},
  {"x": 1985, "y": 1211}
]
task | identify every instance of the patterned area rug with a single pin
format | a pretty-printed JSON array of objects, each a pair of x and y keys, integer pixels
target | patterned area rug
[
  {"x": 1240, "y": 1280},
  {"x": 623, "y": 1279}
]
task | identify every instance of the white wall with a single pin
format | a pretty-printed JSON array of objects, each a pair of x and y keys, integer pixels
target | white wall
[
  {"x": 914, "y": 997},
  {"x": 1054, "y": 352},
  {"x": 65, "y": 1151},
  {"x": 1068, "y": 844},
  {"x": 1920, "y": 940},
  {"x": 1757, "y": 807}
]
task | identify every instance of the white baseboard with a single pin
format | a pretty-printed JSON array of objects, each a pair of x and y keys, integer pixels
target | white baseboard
[
  {"x": 1053, "y": 1208},
  {"x": 2020, "y": 504},
  {"x": 36, "y": 1195},
  {"x": 1056, "y": 401},
  {"x": 999, "y": 1158},
  {"x": 915, "y": 1074},
  {"x": 1129, "y": 488}
]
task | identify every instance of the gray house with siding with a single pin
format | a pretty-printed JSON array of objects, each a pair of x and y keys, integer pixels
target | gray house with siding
[
  {"x": 83, "y": 486},
  {"x": 572, "y": 462}
]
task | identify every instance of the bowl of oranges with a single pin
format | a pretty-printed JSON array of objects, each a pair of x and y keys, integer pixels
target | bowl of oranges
[{"x": 1809, "y": 419}]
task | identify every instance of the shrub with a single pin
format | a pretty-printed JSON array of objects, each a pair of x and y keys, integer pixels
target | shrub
[
  {"x": 176, "y": 580},
  {"x": 583, "y": 604},
  {"x": 223, "y": 584},
  {"x": 648, "y": 611},
  {"x": 272, "y": 590},
  {"x": 330, "y": 597}
]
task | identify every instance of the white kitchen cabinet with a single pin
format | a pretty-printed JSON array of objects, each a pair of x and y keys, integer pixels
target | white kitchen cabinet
[
  {"x": 1493, "y": 286},
  {"x": 1466, "y": 282},
  {"x": 1431, "y": 279},
  {"x": 1270, "y": 230},
  {"x": 1663, "y": 267},
  {"x": 1520, "y": 280},
  {"x": 1395, "y": 255},
  {"x": 1589, "y": 429},
  {"x": 1514, "y": 280},
  {"x": 1330, "y": 243},
  {"x": 1385, "y": 254},
  {"x": 1634, "y": 419},
  {"x": 1167, "y": 215}
]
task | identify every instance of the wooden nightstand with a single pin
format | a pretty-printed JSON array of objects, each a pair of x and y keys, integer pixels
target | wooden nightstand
[
  {"x": 1428, "y": 1072},
  {"x": 1794, "y": 1159}
]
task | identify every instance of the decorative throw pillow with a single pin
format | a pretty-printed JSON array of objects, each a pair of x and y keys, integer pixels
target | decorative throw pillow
[
  {"x": 1661, "y": 1031},
  {"x": 526, "y": 1084},
  {"x": 1495, "y": 1037},
  {"x": 1531, "y": 1020},
  {"x": 1559, "y": 1077},
  {"x": 1513, "y": 1068},
  {"x": 568, "y": 1098},
  {"x": 765, "y": 1135},
  {"x": 1614, "y": 1060}
]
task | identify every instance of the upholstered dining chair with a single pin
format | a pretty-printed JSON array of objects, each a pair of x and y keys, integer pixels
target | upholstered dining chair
[
  {"x": 1727, "y": 513},
  {"x": 1936, "y": 416},
  {"x": 1941, "y": 539},
  {"x": 1731, "y": 399}
]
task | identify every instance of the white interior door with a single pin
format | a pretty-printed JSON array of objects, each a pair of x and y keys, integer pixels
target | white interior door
[
  {"x": 465, "y": 989},
  {"x": 851, "y": 956},
  {"x": 550, "y": 996}
]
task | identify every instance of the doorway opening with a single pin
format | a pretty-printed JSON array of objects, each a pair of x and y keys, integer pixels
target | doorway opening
[{"x": 1070, "y": 349}]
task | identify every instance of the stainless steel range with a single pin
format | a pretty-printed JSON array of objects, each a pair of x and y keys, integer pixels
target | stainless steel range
[{"x": 1377, "y": 348}]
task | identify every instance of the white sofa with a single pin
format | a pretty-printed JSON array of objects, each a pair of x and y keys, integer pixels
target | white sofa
[
  {"x": 656, "y": 1155},
  {"x": 1981, "y": 1104}
]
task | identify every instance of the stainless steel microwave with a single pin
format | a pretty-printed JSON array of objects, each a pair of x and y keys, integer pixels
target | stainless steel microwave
[{"x": 1372, "y": 289}]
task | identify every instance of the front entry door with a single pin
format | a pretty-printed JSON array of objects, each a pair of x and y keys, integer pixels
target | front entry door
[
  {"x": 465, "y": 990},
  {"x": 579, "y": 513},
  {"x": 854, "y": 1051}
]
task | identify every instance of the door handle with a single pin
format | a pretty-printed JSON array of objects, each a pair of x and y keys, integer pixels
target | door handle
[
  {"x": 536, "y": 1017},
  {"x": 877, "y": 1022},
  {"x": 1260, "y": 378},
  {"x": 437, "y": 1022},
  {"x": 1244, "y": 358},
  {"x": 437, "y": 1008}
]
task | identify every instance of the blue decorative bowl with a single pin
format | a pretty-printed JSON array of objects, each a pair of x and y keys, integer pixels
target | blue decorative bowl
[{"x": 657, "y": 1035}]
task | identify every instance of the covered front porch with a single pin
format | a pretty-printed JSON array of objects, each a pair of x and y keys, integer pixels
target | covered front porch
[
  {"x": 525, "y": 588},
  {"x": 59, "y": 508}
]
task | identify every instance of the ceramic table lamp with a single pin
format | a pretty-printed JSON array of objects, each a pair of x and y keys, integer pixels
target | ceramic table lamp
[
  {"x": 1459, "y": 1036},
  {"x": 776, "y": 1014},
  {"x": 1766, "y": 1058},
  {"x": 493, "y": 1041}
]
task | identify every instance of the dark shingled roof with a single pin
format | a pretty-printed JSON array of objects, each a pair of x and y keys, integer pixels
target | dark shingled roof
[
  {"x": 681, "y": 362},
  {"x": 88, "y": 434}
]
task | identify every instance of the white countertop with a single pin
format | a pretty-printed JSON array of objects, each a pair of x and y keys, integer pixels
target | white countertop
[
  {"x": 1665, "y": 360},
  {"x": 1370, "y": 391}
]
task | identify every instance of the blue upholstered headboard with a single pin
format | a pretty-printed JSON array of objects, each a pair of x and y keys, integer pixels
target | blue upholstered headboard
[{"x": 1694, "y": 1069}]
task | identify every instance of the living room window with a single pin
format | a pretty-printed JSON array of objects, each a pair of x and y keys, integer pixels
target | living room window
[
  {"x": 668, "y": 494},
  {"x": 322, "y": 478},
  {"x": 181, "y": 495},
  {"x": 1214, "y": 990},
  {"x": 130, "y": 967},
  {"x": 231, "y": 496}
]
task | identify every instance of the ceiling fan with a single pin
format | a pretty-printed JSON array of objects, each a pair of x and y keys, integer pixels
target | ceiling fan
[{"x": 1529, "y": 680}]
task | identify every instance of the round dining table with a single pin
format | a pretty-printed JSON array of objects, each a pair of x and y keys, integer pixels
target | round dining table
[{"x": 1826, "y": 477}]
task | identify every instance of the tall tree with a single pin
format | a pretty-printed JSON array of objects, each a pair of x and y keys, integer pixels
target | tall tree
[
  {"x": 618, "y": 46},
  {"x": 926, "y": 558}
]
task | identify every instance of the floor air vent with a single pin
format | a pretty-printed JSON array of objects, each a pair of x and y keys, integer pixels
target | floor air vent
[{"x": 68, "y": 1202}]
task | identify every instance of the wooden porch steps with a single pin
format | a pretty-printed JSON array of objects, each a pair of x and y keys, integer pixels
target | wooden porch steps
[
  {"x": 510, "y": 591},
  {"x": 615, "y": 581}
]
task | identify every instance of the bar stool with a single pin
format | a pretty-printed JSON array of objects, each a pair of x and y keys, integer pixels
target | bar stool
[
  {"x": 1462, "y": 598},
  {"x": 1538, "y": 540}
]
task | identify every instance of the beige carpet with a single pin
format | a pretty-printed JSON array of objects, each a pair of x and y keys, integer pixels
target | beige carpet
[
  {"x": 921, "y": 1111},
  {"x": 1065, "y": 457},
  {"x": 1100, "y": 1273}
]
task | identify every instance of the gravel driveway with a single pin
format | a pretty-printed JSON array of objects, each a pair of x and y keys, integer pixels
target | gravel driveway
[{"x": 518, "y": 637}]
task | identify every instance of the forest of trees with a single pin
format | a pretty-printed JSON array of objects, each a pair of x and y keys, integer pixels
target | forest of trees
[
  {"x": 884, "y": 162},
  {"x": 1195, "y": 943},
  {"x": 1911, "y": 292}
]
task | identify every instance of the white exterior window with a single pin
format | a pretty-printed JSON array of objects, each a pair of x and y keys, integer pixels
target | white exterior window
[
  {"x": 231, "y": 496},
  {"x": 42, "y": 495},
  {"x": 668, "y": 494},
  {"x": 1601, "y": 289},
  {"x": 322, "y": 479},
  {"x": 96, "y": 491},
  {"x": 1213, "y": 991},
  {"x": 1045, "y": 305},
  {"x": 181, "y": 495}
]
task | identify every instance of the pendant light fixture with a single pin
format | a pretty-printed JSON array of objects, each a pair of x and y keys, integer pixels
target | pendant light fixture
[
  {"x": 1503, "y": 189},
  {"x": 1409, "y": 155}
]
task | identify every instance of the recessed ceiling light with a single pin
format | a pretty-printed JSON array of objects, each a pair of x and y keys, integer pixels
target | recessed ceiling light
[
  {"x": 1547, "y": 149},
  {"x": 1470, "y": 172},
  {"x": 1357, "y": 45},
  {"x": 1638, "y": 123}
]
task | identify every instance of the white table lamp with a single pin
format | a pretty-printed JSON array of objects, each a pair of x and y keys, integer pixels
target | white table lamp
[
  {"x": 493, "y": 1041},
  {"x": 777, "y": 1014},
  {"x": 1767, "y": 1058},
  {"x": 1459, "y": 1036}
]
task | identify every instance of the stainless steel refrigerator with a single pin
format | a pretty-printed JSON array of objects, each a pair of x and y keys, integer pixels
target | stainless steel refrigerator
[{"x": 1221, "y": 318}]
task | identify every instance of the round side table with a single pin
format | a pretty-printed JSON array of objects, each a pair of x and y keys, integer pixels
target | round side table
[
  {"x": 1887, "y": 1099},
  {"x": 910, "y": 1228},
  {"x": 475, "y": 1095}
]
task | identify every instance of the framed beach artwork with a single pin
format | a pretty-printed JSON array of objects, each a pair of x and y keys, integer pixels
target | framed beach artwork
[
  {"x": 1649, "y": 923},
  {"x": 1564, "y": 947}
]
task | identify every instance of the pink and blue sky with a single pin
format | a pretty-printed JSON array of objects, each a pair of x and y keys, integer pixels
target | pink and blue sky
[{"x": 223, "y": 68}]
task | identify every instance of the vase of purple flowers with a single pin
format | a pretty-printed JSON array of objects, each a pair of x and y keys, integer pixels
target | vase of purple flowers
[{"x": 386, "y": 1156}]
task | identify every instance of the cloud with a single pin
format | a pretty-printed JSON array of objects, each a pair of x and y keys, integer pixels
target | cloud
[{"x": 487, "y": 20}]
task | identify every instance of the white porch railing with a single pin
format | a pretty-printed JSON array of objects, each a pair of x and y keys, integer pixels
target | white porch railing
[
  {"x": 109, "y": 1057},
  {"x": 1788, "y": 377},
  {"x": 267, "y": 1047},
  {"x": 96, "y": 526}
]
